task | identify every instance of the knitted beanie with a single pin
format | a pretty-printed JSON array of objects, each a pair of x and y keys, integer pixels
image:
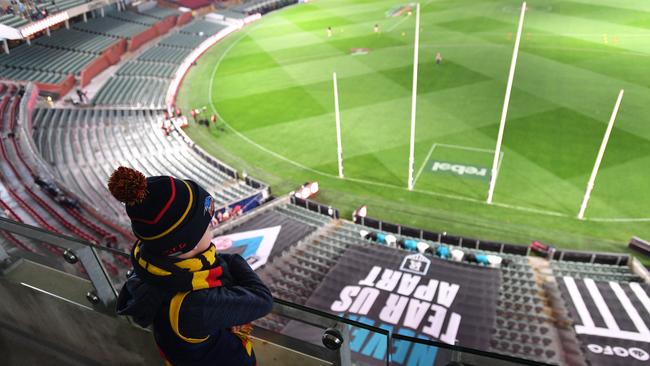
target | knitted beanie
[{"x": 168, "y": 215}]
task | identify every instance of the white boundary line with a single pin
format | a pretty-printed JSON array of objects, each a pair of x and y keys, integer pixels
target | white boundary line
[
  {"x": 424, "y": 163},
  {"x": 459, "y": 147},
  {"x": 380, "y": 184}
]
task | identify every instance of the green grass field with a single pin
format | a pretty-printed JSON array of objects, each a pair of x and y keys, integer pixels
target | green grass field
[{"x": 272, "y": 84}]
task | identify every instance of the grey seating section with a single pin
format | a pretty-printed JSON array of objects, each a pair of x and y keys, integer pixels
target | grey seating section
[
  {"x": 160, "y": 13},
  {"x": 147, "y": 68},
  {"x": 31, "y": 75},
  {"x": 202, "y": 27},
  {"x": 133, "y": 17},
  {"x": 76, "y": 40},
  {"x": 112, "y": 27},
  {"x": 41, "y": 58},
  {"x": 84, "y": 146},
  {"x": 136, "y": 91},
  {"x": 170, "y": 55},
  {"x": 182, "y": 40}
]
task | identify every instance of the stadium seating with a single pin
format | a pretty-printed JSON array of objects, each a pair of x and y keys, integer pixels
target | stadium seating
[
  {"x": 84, "y": 146},
  {"x": 147, "y": 69},
  {"x": 31, "y": 75},
  {"x": 133, "y": 17},
  {"x": 17, "y": 20},
  {"x": 46, "y": 59},
  {"x": 160, "y": 53},
  {"x": 141, "y": 92},
  {"x": 74, "y": 40},
  {"x": 160, "y": 13},
  {"x": 111, "y": 27},
  {"x": 202, "y": 28},
  {"x": 34, "y": 198}
]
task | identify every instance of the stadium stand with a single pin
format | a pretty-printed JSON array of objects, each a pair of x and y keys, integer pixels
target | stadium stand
[
  {"x": 111, "y": 27},
  {"x": 74, "y": 40},
  {"x": 143, "y": 82},
  {"x": 202, "y": 28},
  {"x": 144, "y": 92},
  {"x": 40, "y": 58},
  {"x": 84, "y": 146},
  {"x": 33, "y": 11}
]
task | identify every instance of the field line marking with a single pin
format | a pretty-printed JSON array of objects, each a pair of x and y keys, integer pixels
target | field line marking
[
  {"x": 423, "y": 164},
  {"x": 397, "y": 24},
  {"x": 459, "y": 147},
  {"x": 630, "y": 219},
  {"x": 387, "y": 185}
]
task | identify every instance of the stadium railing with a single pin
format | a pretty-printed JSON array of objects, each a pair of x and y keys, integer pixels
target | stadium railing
[{"x": 69, "y": 300}]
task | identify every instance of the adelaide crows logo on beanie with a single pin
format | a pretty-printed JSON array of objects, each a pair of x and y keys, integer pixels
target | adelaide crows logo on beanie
[{"x": 168, "y": 215}]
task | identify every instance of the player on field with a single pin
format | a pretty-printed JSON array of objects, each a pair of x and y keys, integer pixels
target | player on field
[
  {"x": 329, "y": 31},
  {"x": 438, "y": 58}
]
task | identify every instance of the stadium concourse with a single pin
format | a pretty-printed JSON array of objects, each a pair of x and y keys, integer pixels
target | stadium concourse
[{"x": 56, "y": 158}]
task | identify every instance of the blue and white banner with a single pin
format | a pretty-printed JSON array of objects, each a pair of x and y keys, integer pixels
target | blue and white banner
[{"x": 255, "y": 245}]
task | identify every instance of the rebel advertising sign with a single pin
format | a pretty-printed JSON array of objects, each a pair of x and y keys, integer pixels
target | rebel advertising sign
[
  {"x": 410, "y": 294},
  {"x": 611, "y": 320}
]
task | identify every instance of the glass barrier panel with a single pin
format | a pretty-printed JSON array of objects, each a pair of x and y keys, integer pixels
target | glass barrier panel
[
  {"x": 408, "y": 350},
  {"x": 116, "y": 265},
  {"x": 353, "y": 341},
  {"x": 18, "y": 246}
]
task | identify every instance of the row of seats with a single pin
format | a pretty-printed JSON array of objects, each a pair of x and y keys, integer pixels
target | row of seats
[
  {"x": 165, "y": 54},
  {"x": 141, "y": 92},
  {"x": 133, "y": 17},
  {"x": 34, "y": 199},
  {"x": 47, "y": 59},
  {"x": 16, "y": 19},
  {"x": 31, "y": 75},
  {"x": 84, "y": 146},
  {"x": 111, "y": 27},
  {"x": 75, "y": 40},
  {"x": 147, "y": 68}
]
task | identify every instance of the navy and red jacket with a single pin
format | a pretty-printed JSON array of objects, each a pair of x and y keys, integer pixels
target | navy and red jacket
[{"x": 202, "y": 336}]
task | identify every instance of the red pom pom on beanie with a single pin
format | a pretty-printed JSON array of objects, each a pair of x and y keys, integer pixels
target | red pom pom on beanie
[{"x": 128, "y": 185}]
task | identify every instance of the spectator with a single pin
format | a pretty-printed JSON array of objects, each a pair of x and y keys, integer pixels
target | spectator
[{"x": 200, "y": 303}]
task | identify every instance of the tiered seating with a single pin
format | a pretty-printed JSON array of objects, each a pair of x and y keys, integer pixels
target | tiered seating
[
  {"x": 134, "y": 91},
  {"x": 146, "y": 68},
  {"x": 84, "y": 146},
  {"x": 143, "y": 82},
  {"x": 182, "y": 40},
  {"x": 262, "y": 6},
  {"x": 75, "y": 40},
  {"x": 160, "y": 53},
  {"x": 160, "y": 13},
  {"x": 112, "y": 27},
  {"x": 46, "y": 59},
  {"x": 129, "y": 16},
  {"x": 13, "y": 20},
  {"x": 602, "y": 272},
  {"x": 202, "y": 28},
  {"x": 31, "y": 75},
  {"x": 35, "y": 203}
]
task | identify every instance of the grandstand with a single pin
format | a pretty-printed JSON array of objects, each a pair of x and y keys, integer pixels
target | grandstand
[{"x": 398, "y": 295}]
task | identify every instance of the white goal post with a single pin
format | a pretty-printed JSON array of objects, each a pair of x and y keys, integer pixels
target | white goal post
[
  {"x": 337, "y": 113},
  {"x": 504, "y": 111},
  {"x": 599, "y": 158},
  {"x": 414, "y": 96}
]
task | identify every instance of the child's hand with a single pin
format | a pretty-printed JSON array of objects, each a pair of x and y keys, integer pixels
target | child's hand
[{"x": 245, "y": 329}]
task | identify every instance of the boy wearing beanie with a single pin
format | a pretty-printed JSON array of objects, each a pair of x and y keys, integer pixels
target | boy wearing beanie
[{"x": 199, "y": 302}]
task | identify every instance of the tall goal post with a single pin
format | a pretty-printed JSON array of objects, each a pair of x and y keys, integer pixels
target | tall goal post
[
  {"x": 599, "y": 158},
  {"x": 414, "y": 96},
  {"x": 506, "y": 102},
  {"x": 337, "y": 113}
]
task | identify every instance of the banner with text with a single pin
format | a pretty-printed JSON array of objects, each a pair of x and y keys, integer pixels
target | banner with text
[{"x": 411, "y": 294}]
